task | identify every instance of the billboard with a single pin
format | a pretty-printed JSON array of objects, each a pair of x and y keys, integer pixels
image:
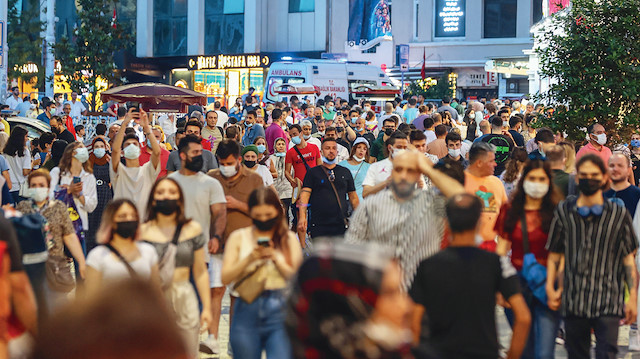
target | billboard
[
  {"x": 450, "y": 18},
  {"x": 368, "y": 20}
]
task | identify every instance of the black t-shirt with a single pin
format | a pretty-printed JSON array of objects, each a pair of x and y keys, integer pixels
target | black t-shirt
[
  {"x": 13, "y": 248},
  {"x": 630, "y": 196},
  {"x": 504, "y": 145},
  {"x": 457, "y": 287},
  {"x": 324, "y": 211},
  {"x": 635, "y": 159},
  {"x": 517, "y": 138},
  {"x": 66, "y": 136}
]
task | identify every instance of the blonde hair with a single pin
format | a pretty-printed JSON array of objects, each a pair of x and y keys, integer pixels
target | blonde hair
[
  {"x": 570, "y": 156},
  {"x": 41, "y": 172},
  {"x": 4, "y": 138}
]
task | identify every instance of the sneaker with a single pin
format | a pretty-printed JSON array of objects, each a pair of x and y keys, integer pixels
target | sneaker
[
  {"x": 209, "y": 345},
  {"x": 634, "y": 340},
  {"x": 560, "y": 337}
]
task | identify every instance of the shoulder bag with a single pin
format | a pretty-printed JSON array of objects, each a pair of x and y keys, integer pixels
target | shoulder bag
[
  {"x": 252, "y": 283},
  {"x": 58, "y": 273},
  {"x": 167, "y": 264},
  {"x": 335, "y": 191},
  {"x": 534, "y": 273},
  {"x": 132, "y": 271}
]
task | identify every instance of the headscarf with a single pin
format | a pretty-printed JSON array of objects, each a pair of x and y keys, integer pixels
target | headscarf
[
  {"x": 95, "y": 161},
  {"x": 333, "y": 296}
]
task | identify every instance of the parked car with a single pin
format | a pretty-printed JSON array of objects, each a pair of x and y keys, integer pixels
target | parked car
[{"x": 34, "y": 127}]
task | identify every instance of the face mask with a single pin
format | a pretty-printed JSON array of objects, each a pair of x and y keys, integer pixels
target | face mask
[
  {"x": 82, "y": 154},
  {"x": 321, "y": 133},
  {"x": 194, "y": 164},
  {"x": 99, "y": 152},
  {"x": 367, "y": 108},
  {"x": 354, "y": 119},
  {"x": 306, "y": 137},
  {"x": 360, "y": 129},
  {"x": 505, "y": 123},
  {"x": 296, "y": 140},
  {"x": 132, "y": 152},
  {"x": 397, "y": 152},
  {"x": 248, "y": 125},
  {"x": 535, "y": 189},
  {"x": 601, "y": 139},
  {"x": 126, "y": 229},
  {"x": 635, "y": 143},
  {"x": 329, "y": 162},
  {"x": 280, "y": 154},
  {"x": 284, "y": 127},
  {"x": 330, "y": 108},
  {"x": 265, "y": 225},
  {"x": 262, "y": 148},
  {"x": 454, "y": 152},
  {"x": 318, "y": 118},
  {"x": 228, "y": 171},
  {"x": 166, "y": 206},
  {"x": 388, "y": 131},
  {"x": 359, "y": 159},
  {"x": 39, "y": 194},
  {"x": 339, "y": 129},
  {"x": 249, "y": 164},
  {"x": 589, "y": 186}
]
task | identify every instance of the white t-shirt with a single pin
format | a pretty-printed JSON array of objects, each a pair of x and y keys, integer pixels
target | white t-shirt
[
  {"x": 112, "y": 268},
  {"x": 16, "y": 165},
  {"x": 431, "y": 136},
  {"x": 168, "y": 126},
  {"x": 200, "y": 191},
  {"x": 134, "y": 183},
  {"x": 13, "y": 102},
  {"x": 77, "y": 108},
  {"x": 264, "y": 172},
  {"x": 89, "y": 190},
  {"x": 222, "y": 118}
]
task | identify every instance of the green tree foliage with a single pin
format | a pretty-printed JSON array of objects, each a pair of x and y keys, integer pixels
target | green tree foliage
[
  {"x": 591, "y": 53},
  {"x": 429, "y": 91},
  {"x": 24, "y": 41},
  {"x": 89, "y": 55}
]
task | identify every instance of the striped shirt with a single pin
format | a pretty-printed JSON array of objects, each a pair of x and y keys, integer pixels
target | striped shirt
[
  {"x": 594, "y": 248},
  {"x": 413, "y": 228}
]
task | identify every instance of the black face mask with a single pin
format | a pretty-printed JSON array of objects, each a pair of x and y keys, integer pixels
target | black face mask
[
  {"x": 265, "y": 225},
  {"x": 589, "y": 186},
  {"x": 126, "y": 229},
  {"x": 194, "y": 164},
  {"x": 249, "y": 164},
  {"x": 166, "y": 206},
  {"x": 55, "y": 130},
  {"x": 388, "y": 131},
  {"x": 318, "y": 118}
]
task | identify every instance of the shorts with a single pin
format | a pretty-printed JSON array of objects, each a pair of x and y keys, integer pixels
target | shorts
[{"x": 215, "y": 271}]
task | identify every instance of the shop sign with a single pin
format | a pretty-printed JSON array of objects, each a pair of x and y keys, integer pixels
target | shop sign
[
  {"x": 450, "y": 18},
  {"x": 224, "y": 61}
]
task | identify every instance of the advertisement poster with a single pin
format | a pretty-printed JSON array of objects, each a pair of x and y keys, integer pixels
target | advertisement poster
[{"x": 369, "y": 20}]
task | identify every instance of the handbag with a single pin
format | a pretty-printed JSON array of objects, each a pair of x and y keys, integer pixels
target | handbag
[
  {"x": 58, "y": 273},
  {"x": 252, "y": 284},
  {"x": 335, "y": 191},
  {"x": 534, "y": 273},
  {"x": 167, "y": 264}
]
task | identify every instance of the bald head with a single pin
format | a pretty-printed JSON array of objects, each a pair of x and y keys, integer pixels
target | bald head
[{"x": 485, "y": 127}]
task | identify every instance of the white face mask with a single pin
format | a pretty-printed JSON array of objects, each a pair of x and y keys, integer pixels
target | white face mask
[
  {"x": 601, "y": 139},
  {"x": 228, "y": 171},
  {"x": 396, "y": 152},
  {"x": 359, "y": 159},
  {"x": 99, "y": 152},
  {"x": 535, "y": 189},
  {"x": 132, "y": 152},
  {"x": 505, "y": 123},
  {"x": 321, "y": 133},
  {"x": 454, "y": 152},
  {"x": 82, "y": 154},
  {"x": 39, "y": 194}
]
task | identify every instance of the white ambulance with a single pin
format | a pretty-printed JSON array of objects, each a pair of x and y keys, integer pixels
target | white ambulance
[{"x": 347, "y": 80}]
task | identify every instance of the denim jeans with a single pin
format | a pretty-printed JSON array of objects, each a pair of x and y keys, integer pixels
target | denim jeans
[
  {"x": 260, "y": 326},
  {"x": 544, "y": 327}
]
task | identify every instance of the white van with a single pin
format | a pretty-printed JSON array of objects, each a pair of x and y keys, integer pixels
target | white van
[{"x": 329, "y": 77}]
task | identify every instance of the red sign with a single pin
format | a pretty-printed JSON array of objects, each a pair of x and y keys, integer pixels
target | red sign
[{"x": 492, "y": 78}]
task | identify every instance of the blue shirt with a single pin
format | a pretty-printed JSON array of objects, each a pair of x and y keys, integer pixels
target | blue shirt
[
  {"x": 43, "y": 117},
  {"x": 358, "y": 172},
  {"x": 251, "y": 134},
  {"x": 410, "y": 114},
  {"x": 4, "y": 165},
  {"x": 630, "y": 196}
]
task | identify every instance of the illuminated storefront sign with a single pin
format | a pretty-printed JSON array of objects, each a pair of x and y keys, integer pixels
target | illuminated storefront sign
[
  {"x": 223, "y": 61},
  {"x": 450, "y": 18}
]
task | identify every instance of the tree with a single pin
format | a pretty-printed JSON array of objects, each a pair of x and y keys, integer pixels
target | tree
[
  {"x": 24, "y": 40},
  {"x": 88, "y": 57},
  {"x": 430, "y": 88},
  {"x": 590, "y": 52}
]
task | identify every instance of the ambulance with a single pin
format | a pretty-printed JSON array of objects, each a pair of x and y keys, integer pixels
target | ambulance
[{"x": 319, "y": 78}]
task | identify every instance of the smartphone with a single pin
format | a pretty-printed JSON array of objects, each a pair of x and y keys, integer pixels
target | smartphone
[
  {"x": 76, "y": 180},
  {"x": 264, "y": 241}
]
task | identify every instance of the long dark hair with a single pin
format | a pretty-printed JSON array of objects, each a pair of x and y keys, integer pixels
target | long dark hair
[
  {"x": 16, "y": 143},
  {"x": 549, "y": 201},
  {"x": 511, "y": 172},
  {"x": 267, "y": 196},
  {"x": 151, "y": 211}
]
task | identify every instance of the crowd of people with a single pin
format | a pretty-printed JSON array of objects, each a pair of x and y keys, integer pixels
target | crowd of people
[{"x": 336, "y": 231}]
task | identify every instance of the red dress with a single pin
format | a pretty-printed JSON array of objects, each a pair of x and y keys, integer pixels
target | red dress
[{"x": 537, "y": 237}]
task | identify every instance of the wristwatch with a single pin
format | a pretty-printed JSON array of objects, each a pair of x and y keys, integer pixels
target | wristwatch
[{"x": 217, "y": 236}]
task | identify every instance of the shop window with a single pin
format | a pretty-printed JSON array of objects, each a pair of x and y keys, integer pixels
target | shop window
[
  {"x": 537, "y": 10},
  {"x": 518, "y": 86},
  {"x": 302, "y": 6},
  {"x": 170, "y": 27},
  {"x": 500, "y": 18},
  {"x": 224, "y": 27},
  {"x": 126, "y": 13}
]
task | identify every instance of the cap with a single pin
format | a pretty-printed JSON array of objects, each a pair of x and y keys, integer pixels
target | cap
[
  {"x": 250, "y": 148},
  {"x": 361, "y": 140}
]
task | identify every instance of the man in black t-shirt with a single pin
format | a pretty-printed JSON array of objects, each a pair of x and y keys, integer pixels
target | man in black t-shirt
[
  {"x": 455, "y": 291},
  {"x": 322, "y": 187},
  {"x": 501, "y": 139}
]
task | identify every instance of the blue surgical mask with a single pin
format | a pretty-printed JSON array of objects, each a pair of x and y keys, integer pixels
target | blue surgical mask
[
  {"x": 280, "y": 154},
  {"x": 99, "y": 152},
  {"x": 329, "y": 162},
  {"x": 354, "y": 119},
  {"x": 296, "y": 140},
  {"x": 248, "y": 125},
  {"x": 330, "y": 108},
  {"x": 635, "y": 143},
  {"x": 262, "y": 148},
  {"x": 306, "y": 137}
]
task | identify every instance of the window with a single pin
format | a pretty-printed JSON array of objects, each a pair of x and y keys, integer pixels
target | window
[
  {"x": 450, "y": 18},
  {"x": 169, "y": 27},
  {"x": 518, "y": 86},
  {"x": 500, "y": 18},
  {"x": 302, "y": 6},
  {"x": 537, "y": 10},
  {"x": 223, "y": 27}
]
